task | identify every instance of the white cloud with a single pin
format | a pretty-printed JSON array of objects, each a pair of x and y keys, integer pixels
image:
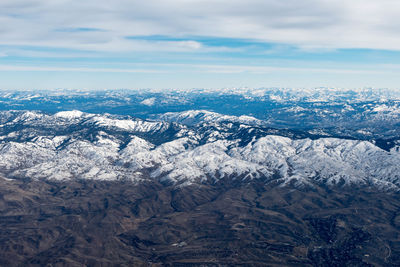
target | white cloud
[
  {"x": 270, "y": 69},
  {"x": 201, "y": 68},
  {"x": 307, "y": 23},
  {"x": 71, "y": 69}
]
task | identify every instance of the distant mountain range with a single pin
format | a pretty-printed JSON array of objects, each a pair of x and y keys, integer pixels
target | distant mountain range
[{"x": 364, "y": 114}]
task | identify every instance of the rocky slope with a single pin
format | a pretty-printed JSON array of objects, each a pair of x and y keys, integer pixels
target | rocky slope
[{"x": 227, "y": 223}]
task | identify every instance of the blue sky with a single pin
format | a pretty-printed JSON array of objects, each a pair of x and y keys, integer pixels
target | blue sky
[{"x": 192, "y": 43}]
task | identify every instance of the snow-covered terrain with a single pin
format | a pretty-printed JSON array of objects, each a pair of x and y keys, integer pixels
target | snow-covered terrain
[
  {"x": 192, "y": 147},
  {"x": 194, "y": 117},
  {"x": 363, "y": 114}
]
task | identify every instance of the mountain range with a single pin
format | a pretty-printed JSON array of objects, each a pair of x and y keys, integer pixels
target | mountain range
[
  {"x": 189, "y": 179},
  {"x": 184, "y": 148}
]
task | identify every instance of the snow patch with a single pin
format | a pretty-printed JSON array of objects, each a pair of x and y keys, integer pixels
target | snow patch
[
  {"x": 149, "y": 101},
  {"x": 73, "y": 114}
]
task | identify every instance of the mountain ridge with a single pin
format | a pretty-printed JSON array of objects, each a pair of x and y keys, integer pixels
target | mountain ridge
[{"x": 77, "y": 145}]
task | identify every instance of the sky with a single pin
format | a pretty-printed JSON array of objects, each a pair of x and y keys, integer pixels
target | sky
[{"x": 97, "y": 44}]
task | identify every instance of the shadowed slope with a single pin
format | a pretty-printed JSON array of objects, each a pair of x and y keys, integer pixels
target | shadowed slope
[{"x": 228, "y": 223}]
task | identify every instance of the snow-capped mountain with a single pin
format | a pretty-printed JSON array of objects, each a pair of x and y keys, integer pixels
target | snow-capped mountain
[
  {"x": 185, "y": 148},
  {"x": 195, "y": 117}
]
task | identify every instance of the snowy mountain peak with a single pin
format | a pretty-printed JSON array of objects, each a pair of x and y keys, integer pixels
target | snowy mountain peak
[
  {"x": 74, "y": 114},
  {"x": 193, "y": 117}
]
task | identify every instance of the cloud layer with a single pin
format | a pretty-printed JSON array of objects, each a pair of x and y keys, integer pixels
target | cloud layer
[
  {"x": 193, "y": 43},
  {"x": 103, "y": 25}
]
